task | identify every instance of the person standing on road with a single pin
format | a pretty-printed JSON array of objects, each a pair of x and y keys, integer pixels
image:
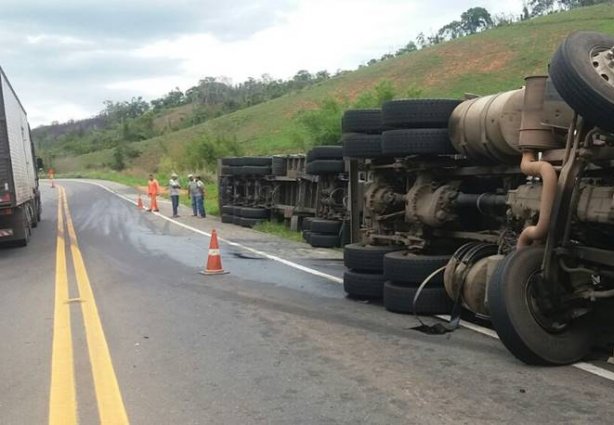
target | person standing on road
[
  {"x": 194, "y": 193},
  {"x": 173, "y": 189},
  {"x": 200, "y": 202},
  {"x": 153, "y": 189}
]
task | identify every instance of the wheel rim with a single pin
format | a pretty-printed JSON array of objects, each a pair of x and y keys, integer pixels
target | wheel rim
[
  {"x": 549, "y": 323},
  {"x": 602, "y": 60}
]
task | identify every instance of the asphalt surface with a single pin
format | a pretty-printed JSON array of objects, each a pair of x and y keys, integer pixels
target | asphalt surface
[{"x": 265, "y": 344}]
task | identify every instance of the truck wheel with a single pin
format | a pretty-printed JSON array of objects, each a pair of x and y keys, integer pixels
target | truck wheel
[
  {"x": 253, "y": 161},
  {"x": 402, "y": 266},
  {"x": 26, "y": 228},
  {"x": 399, "y": 298},
  {"x": 249, "y": 212},
  {"x": 325, "y": 166},
  {"x": 231, "y": 161},
  {"x": 228, "y": 209},
  {"x": 306, "y": 225},
  {"x": 319, "y": 240},
  {"x": 581, "y": 72},
  {"x": 529, "y": 333},
  {"x": 34, "y": 218},
  {"x": 429, "y": 141},
  {"x": 325, "y": 152},
  {"x": 368, "y": 258},
  {"x": 357, "y": 145},
  {"x": 319, "y": 225},
  {"x": 227, "y": 218},
  {"x": 418, "y": 113},
  {"x": 252, "y": 170},
  {"x": 368, "y": 121},
  {"x": 363, "y": 285}
]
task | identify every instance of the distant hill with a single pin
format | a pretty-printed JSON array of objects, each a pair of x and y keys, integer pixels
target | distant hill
[{"x": 484, "y": 63}]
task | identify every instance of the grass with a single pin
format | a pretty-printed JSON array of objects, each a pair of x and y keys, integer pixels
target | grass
[{"x": 279, "y": 229}]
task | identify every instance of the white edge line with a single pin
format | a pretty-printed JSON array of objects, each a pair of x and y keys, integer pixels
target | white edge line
[
  {"x": 595, "y": 370},
  {"x": 587, "y": 367}
]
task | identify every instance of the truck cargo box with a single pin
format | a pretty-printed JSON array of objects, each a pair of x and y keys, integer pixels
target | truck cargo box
[{"x": 18, "y": 183}]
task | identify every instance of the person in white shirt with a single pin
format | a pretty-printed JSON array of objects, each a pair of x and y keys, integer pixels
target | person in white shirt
[{"x": 173, "y": 189}]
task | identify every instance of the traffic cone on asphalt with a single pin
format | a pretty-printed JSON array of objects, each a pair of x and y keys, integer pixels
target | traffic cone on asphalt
[
  {"x": 139, "y": 203},
  {"x": 214, "y": 260}
]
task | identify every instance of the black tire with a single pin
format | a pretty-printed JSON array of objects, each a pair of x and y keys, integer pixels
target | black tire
[
  {"x": 236, "y": 220},
  {"x": 368, "y": 121},
  {"x": 228, "y": 218},
  {"x": 252, "y": 170},
  {"x": 368, "y": 258},
  {"x": 318, "y": 240},
  {"x": 325, "y": 152},
  {"x": 250, "y": 222},
  {"x": 227, "y": 170},
  {"x": 236, "y": 211},
  {"x": 331, "y": 227},
  {"x": 228, "y": 209},
  {"x": 325, "y": 166},
  {"x": 430, "y": 141},
  {"x": 249, "y": 212},
  {"x": 34, "y": 222},
  {"x": 306, "y": 224},
  {"x": 400, "y": 299},
  {"x": 26, "y": 230},
  {"x": 402, "y": 266},
  {"x": 515, "y": 323},
  {"x": 253, "y": 161},
  {"x": 279, "y": 166},
  {"x": 307, "y": 236},
  {"x": 231, "y": 170},
  {"x": 587, "y": 90},
  {"x": 363, "y": 285},
  {"x": 418, "y": 113},
  {"x": 231, "y": 161},
  {"x": 357, "y": 145}
]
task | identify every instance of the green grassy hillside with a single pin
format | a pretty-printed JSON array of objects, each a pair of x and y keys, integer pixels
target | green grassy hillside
[{"x": 484, "y": 63}]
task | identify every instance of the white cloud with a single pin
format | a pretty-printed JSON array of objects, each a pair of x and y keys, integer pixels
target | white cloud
[{"x": 66, "y": 72}]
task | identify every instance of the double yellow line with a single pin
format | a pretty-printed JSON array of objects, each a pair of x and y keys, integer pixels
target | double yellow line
[{"x": 62, "y": 399}]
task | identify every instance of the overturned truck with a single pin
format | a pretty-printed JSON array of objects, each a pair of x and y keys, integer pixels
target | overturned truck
[{"x": 503, "y": 204}]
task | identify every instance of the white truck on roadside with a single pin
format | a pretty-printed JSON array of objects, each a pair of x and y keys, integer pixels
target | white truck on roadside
[{"x": 20, "y": 205}]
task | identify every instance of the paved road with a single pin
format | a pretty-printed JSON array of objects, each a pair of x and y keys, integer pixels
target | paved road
[{"x": 150, "y": 341}]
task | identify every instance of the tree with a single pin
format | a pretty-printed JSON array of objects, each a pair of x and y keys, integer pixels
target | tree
[
  {"x": 322, "y": 75},
  {"x": 421, "y": 40},
  {"x": 541, "y": 7},
  {"x": 454, "y": 29},
  {"x": 475, "y": 19}
]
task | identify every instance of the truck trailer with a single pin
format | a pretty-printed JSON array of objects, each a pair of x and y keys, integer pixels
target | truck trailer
[{"x": 20, "y": 205}]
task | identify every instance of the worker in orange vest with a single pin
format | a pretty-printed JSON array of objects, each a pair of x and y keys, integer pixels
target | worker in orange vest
[{"x": 153, "y": 189}]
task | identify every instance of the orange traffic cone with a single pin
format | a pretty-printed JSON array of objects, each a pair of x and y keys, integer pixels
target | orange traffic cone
[
  {"x": 139, "y": 203},
  {"x": 214, "y": 261}
]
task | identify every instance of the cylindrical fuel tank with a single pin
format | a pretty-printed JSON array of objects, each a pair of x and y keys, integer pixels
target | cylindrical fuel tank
[{"x": 487, "y": 128}]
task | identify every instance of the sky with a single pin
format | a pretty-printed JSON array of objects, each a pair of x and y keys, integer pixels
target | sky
[{"x": 64, "y": 58}]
